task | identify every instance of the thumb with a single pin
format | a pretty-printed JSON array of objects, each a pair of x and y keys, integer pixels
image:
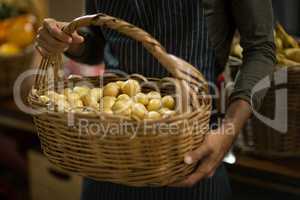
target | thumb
[
  {"x": 76, "y": 38},
  {"x": 197, "y": 155}
]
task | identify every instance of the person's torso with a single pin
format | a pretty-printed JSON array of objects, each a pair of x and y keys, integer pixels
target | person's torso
[{"x": 179, "y": 25}]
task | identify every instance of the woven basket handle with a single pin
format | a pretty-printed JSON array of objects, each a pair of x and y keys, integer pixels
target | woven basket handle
[
  {"x": 191, "y": 81},
  {"x": 175, "y": 66}
]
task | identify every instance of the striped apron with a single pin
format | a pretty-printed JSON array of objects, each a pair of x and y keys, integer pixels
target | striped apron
[{"x": 180, "y": 26}]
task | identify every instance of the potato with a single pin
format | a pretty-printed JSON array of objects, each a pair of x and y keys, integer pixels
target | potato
[
  {"x": 153, "y": 115},
  {"x": 59, "y": 100},
  {"x": 120, "y": 84},
  {"x": 44, "y": 99},
  {"x": 153, "y": 95},
  {"x": 53, "y": 96},
  {"x": 122, "y": 107},
  {"x": 154, "y": 105},
  {"x": 61, "y": 96},
  {"x": 163, "y": 110},
  {"x": 138, "y": 110},
  {"x": 77, "y": 103},
  {"x": 111, "y": 89},
  {"x": 107, "y": 102},
  {"x": 62, "y": 105},
  {"x": 168, "y": 113},
  {"x": 89, "y": 101},
  {"x": 74, "y": 99},
  {"x": 168, "y": 102},
  {"x": 81, "y": 90},
  {"x": 72, "y": 96},
  {"x": 126, "y": 112},
  {"x": 131, "y": 87},
  {"x": 141, "y": 98},
  {"x": 67, "y": 91},
  {"x": 123, "y": 97},
  {"x": 108, "y": 111},
  {"x": 92, "y": 98},
  {"x": 96, "y": 94}
]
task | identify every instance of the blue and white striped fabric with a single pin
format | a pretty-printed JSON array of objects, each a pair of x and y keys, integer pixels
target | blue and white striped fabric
[{"x": 180, "y": 26}]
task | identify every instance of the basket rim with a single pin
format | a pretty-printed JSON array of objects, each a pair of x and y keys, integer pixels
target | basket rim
[{"x": 36, "y": 104}]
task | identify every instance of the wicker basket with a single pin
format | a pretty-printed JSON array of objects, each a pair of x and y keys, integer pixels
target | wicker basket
[
  {"x": 151, "y": 158},
  {"x": 261, "y": 139},
  {"x": 11, "y": 67}
]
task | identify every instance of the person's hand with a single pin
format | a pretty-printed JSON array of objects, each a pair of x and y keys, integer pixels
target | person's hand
[
  {"x": 52, "y": 40},
  {"x": 210, "y": 154},
  {"x": 216, "y": 144}
]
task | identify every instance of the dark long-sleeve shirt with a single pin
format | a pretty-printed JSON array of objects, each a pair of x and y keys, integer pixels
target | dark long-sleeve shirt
[{"x": 252, "y": 18}]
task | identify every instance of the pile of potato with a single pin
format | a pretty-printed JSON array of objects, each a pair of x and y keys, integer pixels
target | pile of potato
[
  {"x": 119, "y": 98},
  {"x": 287, "y": 48}
]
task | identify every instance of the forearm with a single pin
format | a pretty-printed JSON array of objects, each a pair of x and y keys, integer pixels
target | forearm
[
  {"x": 244, "y": 98},
  {"x": 236, "y": 117}
]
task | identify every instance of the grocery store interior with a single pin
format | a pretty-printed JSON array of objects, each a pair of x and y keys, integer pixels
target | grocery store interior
[{"x": 262, "y": 164}]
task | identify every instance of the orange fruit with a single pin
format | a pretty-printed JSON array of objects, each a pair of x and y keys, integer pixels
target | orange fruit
[
  {"x": 4, "y": 27},
  {"x": 22, "y": 31}
]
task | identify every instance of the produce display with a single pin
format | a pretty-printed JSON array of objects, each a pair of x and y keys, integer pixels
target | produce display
[
  {"x": 123, "y": 98},
  {"x": 17, "y": 29},
  {"x": 287, "y": 48}
]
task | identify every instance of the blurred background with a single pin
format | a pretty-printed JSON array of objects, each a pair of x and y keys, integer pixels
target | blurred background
[
  {"x": 287, "y": 13},
  {"x": 263, "y": 165}
]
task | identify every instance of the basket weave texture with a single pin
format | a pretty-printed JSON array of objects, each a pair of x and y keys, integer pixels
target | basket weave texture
[
  {"x": 152, "y": 157},
  {"x": 11, "y": 67},
  {"x": 262, "y": 140}
]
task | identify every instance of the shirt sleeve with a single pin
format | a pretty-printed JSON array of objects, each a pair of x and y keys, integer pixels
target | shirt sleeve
[
  {"x": 93, "y": 48},
  {"x": 254, "y": 20}
]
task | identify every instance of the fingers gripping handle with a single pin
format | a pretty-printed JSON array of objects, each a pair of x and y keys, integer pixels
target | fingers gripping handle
[{"x": 83, "y": 21}]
